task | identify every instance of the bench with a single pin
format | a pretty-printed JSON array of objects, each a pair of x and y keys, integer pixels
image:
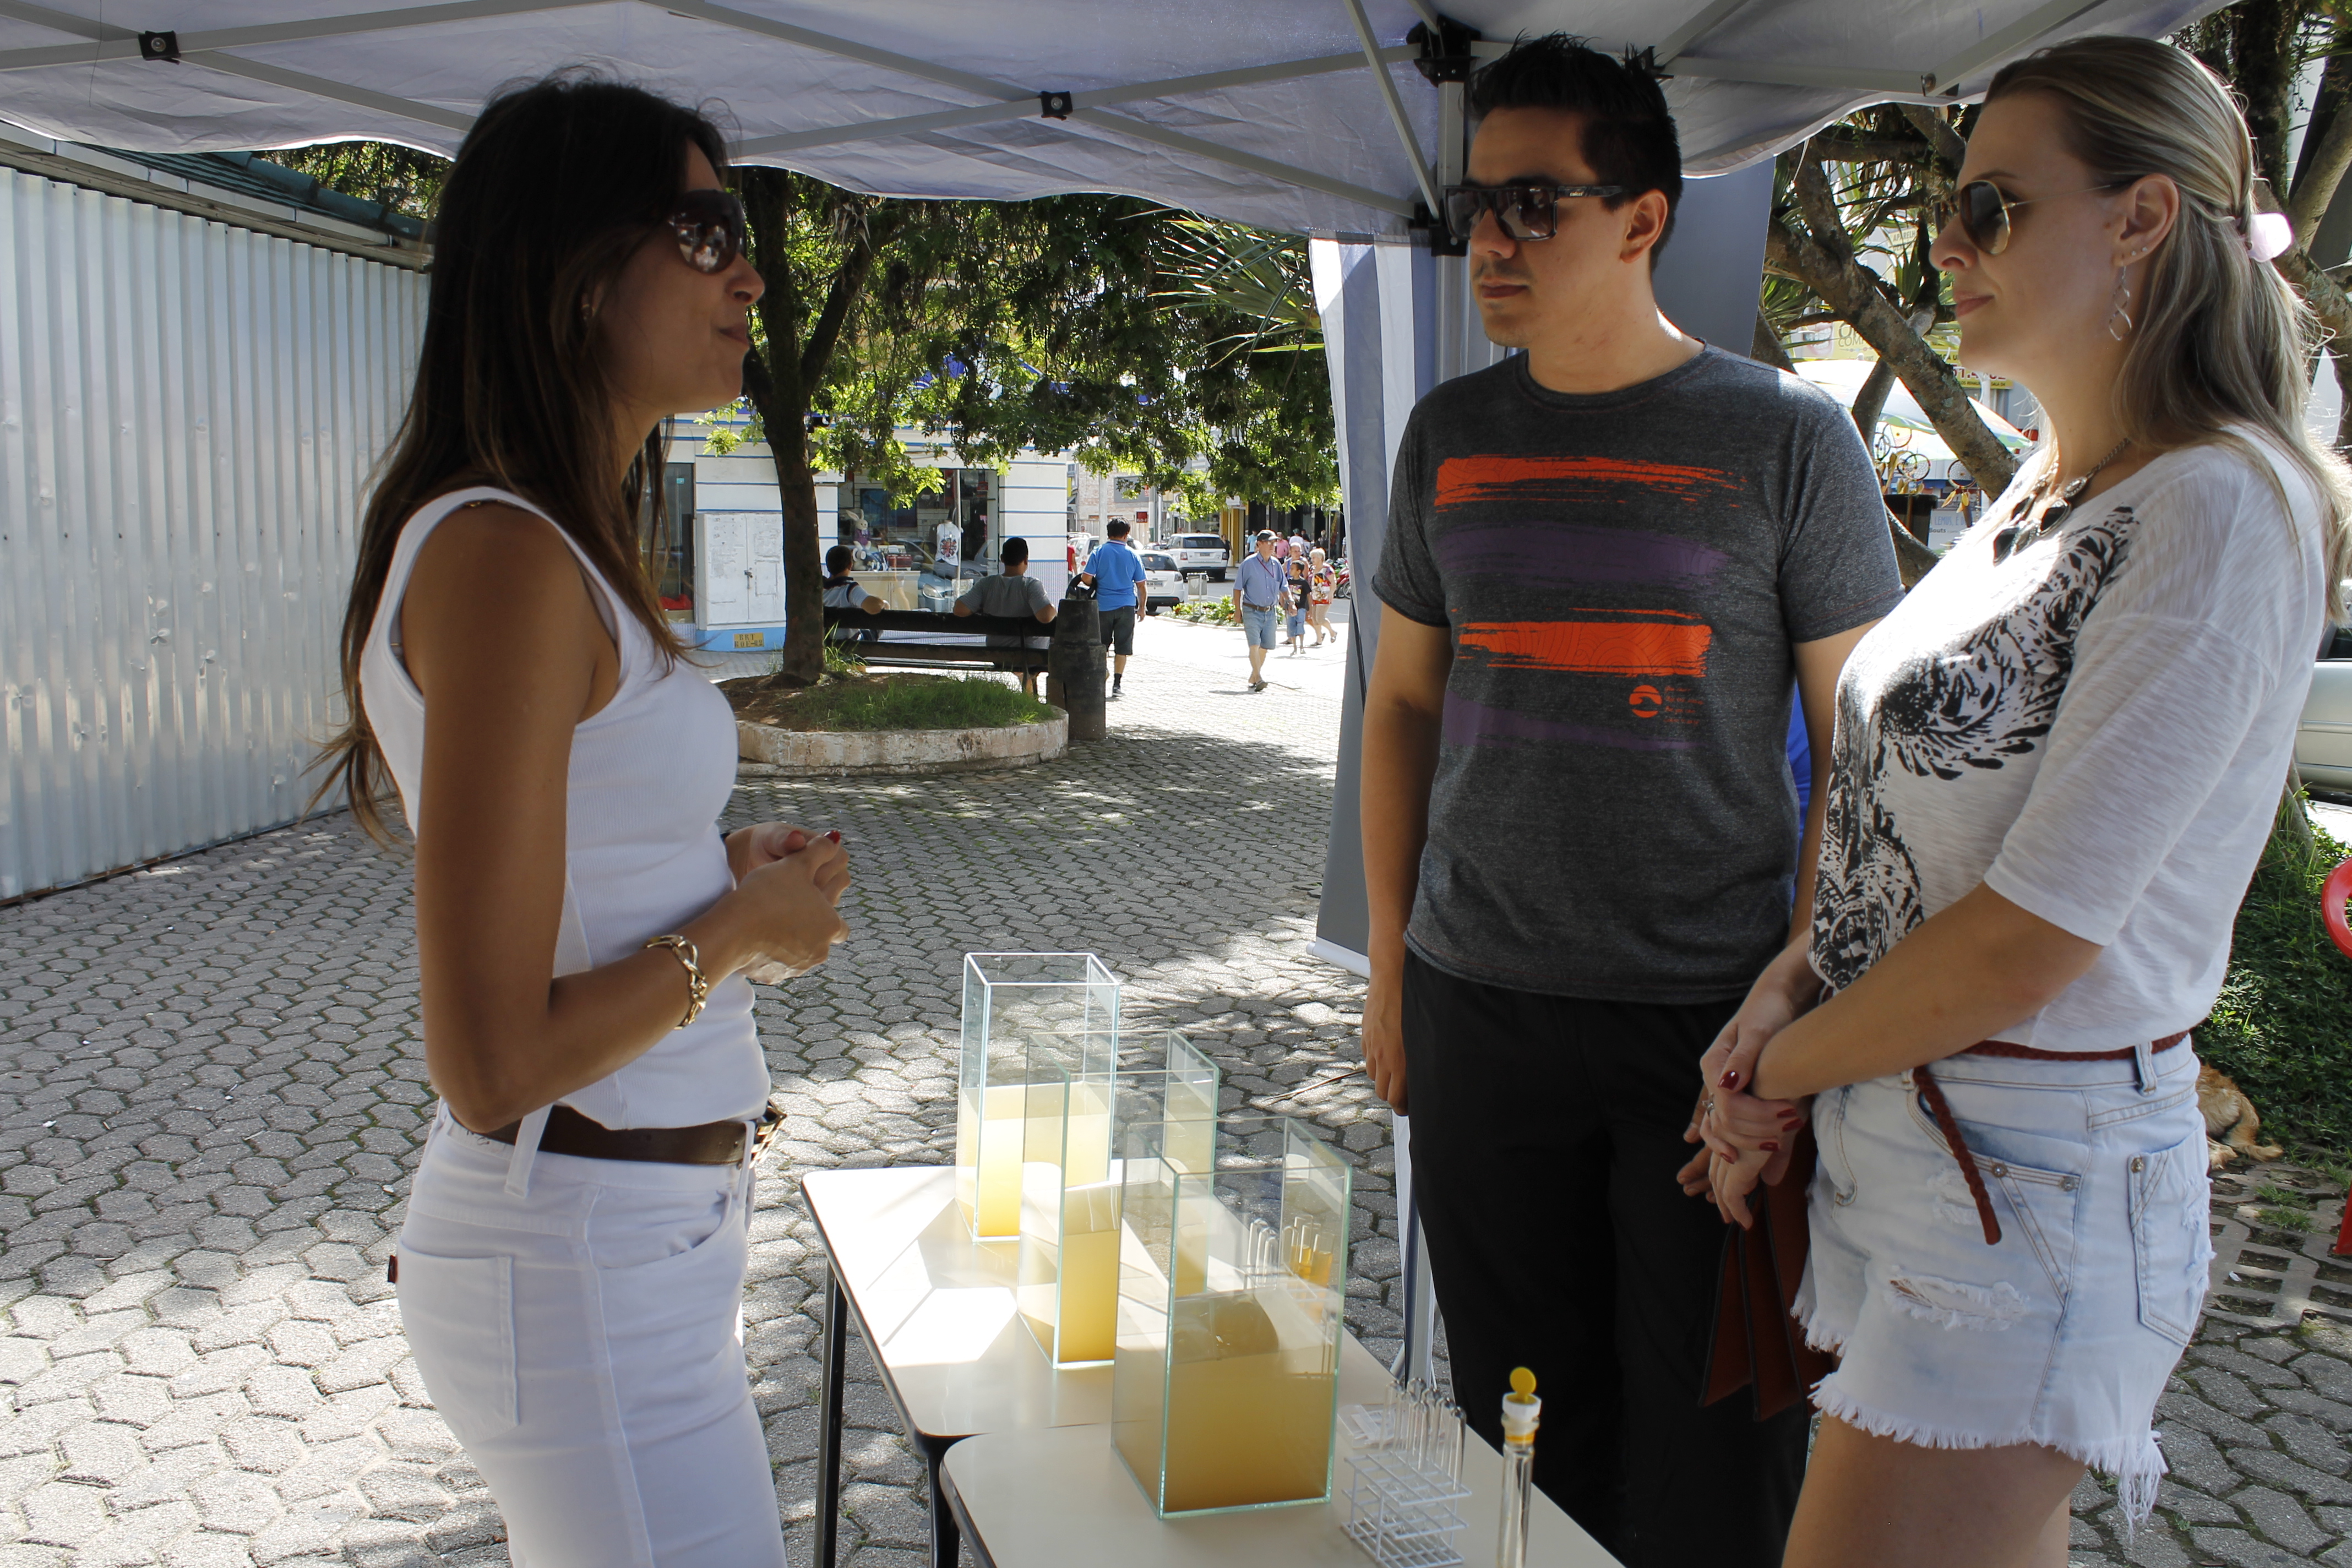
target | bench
[{"x": 918, "y": 642}]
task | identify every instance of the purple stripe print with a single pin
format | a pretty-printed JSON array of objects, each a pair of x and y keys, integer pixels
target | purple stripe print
[
  {"x": 1569, "y": 553},
  {"x": 1469, "y": 723}
]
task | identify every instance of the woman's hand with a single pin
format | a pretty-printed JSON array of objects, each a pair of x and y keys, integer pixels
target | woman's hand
[
  {"x": 765, "y": 843},
  {"x": 785, "y": 907},
  {"x": 1730, "y": 1181},
  {"x": 1736, "y": 1127},
  {"x": 1732, "y": 1123}
]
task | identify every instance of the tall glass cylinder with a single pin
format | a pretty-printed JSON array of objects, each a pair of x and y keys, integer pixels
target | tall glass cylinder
[
  {"x": 1165, "y": 1091},
  {"x": 1030, "y": 1020},
  {"x": 1231, "y": 1289}
]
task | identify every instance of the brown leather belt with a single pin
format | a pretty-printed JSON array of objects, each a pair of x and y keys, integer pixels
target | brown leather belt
[
  {"x": 1937, "y": 1106},
  {"x": 568, "y": 1132}
]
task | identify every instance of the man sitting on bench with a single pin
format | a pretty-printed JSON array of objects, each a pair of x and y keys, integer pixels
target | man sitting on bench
[
  {"x": 842, "y": 592},
  {"x": 1014, "y": 593}
]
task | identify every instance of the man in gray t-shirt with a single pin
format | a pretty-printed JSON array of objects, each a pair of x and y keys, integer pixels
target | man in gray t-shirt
[
  {"x": 1606, "y": 560},
  {"x": 1014, "y": 593}
]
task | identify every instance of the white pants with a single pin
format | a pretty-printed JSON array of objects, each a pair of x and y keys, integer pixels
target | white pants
[{"x": 579, "y": 1325}]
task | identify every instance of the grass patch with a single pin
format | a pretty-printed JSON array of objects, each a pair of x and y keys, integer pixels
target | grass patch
[
  {"x": 2283, "y": 1024},
  {"x": 887, "y": 702}
]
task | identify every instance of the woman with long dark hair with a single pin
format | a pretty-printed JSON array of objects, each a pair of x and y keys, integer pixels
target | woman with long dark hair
[
  {"x": 571, "y": 1263},
  {"x": 2055, "y": 766}
]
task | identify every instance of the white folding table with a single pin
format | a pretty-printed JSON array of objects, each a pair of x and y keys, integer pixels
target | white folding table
[{"x": 1019, "y": 1455}]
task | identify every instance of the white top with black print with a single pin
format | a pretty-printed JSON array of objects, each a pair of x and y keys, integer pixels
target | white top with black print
[{"x": 2095, "y": 722}]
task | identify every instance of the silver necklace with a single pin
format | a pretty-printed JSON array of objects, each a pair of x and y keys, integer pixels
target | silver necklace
[{"x": 2034, "y": 527}]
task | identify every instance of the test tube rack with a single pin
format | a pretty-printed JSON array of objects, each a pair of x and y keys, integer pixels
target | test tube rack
[{"x": 1404, "y": 1515}]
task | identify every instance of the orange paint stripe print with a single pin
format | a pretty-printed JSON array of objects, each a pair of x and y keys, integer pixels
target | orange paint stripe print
[
  {"x": 1463, "y": 482},
  {"x": 1593, "y": 648}
]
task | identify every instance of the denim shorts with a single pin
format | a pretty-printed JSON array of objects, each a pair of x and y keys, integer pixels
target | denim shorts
[
  {"x": 1258, "y": 625},
  {"x": 2064, "y": 1333}
]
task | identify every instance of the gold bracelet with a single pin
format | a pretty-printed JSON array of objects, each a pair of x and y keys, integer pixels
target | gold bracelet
[{"x": 697, "y": 988}]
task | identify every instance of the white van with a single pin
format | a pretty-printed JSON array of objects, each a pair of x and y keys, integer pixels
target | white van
[{"x": 1201, "y": 552}]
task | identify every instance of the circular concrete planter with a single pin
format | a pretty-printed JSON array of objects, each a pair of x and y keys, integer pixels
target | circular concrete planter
[{"x": 768, "y": 752}]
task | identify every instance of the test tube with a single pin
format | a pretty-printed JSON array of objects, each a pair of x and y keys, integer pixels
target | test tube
[{"x": 1521, "y": 1412}]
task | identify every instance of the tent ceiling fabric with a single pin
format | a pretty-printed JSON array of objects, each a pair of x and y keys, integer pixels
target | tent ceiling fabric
[{"x": 1310, "y": 147}]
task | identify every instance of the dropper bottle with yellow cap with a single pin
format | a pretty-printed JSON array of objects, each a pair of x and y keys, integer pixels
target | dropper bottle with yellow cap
[{"x": 1521, "y": 1411}]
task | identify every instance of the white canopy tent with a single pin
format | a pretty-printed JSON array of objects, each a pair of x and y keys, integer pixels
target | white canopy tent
[
  {"x": 1272, "y": 112},
  {"x": 1264, "y": 111}
]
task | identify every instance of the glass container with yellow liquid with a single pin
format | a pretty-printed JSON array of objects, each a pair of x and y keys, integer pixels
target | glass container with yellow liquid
[
  {"x": 1231, "y": 1284},
  {"x": 1040, "y": 1035},
  {"x": 1070, "y": 1234}
]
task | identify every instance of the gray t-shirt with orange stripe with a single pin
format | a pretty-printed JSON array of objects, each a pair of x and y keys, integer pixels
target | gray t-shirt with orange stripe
[{"x": 1624, "y": 575}]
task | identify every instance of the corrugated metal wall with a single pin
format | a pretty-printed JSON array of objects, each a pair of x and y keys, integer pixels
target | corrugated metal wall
[{"x": 188, "y": 413}]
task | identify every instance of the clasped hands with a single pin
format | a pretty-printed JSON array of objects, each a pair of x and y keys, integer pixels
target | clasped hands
[
  {"x": 1747, "y": 1140},
  {"x": 792, "y": 879}
]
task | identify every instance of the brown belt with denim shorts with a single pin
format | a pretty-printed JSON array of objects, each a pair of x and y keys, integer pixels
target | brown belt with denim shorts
[{"x": 1933, "y": 1093}]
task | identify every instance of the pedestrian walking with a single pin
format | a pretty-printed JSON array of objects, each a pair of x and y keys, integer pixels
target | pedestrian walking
[
  {"x": 1606, "y": 558},
  {"x": 571, "y": 1267},
  {"x": 2057, "y": 764},
  {"x": 1322, "y": 583},
  {"x": 1117, "y": 574},
  {"x": 1261, "y": 592},
  {"x": 1296, "y": 570}
]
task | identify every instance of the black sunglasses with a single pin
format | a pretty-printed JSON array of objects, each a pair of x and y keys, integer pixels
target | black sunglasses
[
  {"x": 1983, "y": 211},
  {"x": 709, "y": 229},
  {"x": 1526, "y": 212}
]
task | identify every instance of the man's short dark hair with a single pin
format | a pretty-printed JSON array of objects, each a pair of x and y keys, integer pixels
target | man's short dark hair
[
  {"x": 1015, "y": 554},
  {"x": 1116, "y": 527},
  {"x": 837, "y": 559},
  {"x": 1629, "y": 134}
]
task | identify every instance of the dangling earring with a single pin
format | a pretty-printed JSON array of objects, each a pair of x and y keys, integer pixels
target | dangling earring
[
  {"x": 2120, "y": 304},
  {"x": 2119, "y": 321}
]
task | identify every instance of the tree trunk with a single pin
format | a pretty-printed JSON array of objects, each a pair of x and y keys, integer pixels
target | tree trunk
[
  {"x": 1810, "y": 246},
  {"x": 2265, "y": 38},
  {"x": 785, "y": 418},
  {"x": 1913, "y": 559},
  {"x": 1870, "y": 402},
  {"x": 1766, "y": 347}
]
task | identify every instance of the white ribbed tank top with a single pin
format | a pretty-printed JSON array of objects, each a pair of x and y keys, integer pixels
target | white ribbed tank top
[{"x": 642, "y": 854}]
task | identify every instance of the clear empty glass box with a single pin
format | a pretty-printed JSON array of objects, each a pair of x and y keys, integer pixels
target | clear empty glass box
[
  {"x": 1232, "y": 1283},
  {"x": 1164, "y": 1095},
  {"x": 1038, "y": 1030}
]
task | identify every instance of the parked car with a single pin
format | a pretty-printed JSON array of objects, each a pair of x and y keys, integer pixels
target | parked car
[
  {"x": 1201, "y": 552},
  {"x": 1163, "y": 584},
  {"x": 2323, "y": 743}
]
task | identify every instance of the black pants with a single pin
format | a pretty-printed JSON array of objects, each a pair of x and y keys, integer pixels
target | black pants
[{"x": 1546, "y": 1134}]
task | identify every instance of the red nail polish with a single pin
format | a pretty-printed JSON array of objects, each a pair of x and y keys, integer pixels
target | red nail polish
[
  {"x": 835, "y": 836},
  {"x": 1769, "y": 1148},
  {"x": 1729, "y": 1080},
  {"x": 1793, "y": 1119}
]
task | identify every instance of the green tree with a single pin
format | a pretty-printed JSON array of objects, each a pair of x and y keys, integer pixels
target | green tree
[
  {"x": 400, "y": 178},
  {"x": 1137, "y": 337}
]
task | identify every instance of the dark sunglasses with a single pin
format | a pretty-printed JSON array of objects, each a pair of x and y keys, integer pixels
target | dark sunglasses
[
  {"x": 1526, "y": 212},
  {"x": 709, "y": 229},
  {"x": 1983, "y": 211}
]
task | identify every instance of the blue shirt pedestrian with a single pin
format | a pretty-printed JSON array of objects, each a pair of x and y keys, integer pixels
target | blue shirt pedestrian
[
  {"x": 1115, "y": 569},
  {"x": 1262, "y": 582}
]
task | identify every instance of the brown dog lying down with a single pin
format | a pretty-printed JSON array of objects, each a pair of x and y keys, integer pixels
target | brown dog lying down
[{"x": 2232, "y": 1124}]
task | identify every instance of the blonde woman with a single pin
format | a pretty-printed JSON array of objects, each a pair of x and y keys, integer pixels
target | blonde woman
[
  {"x": 2056, "y": 766},
  {"x": 1322, "y": 584}
]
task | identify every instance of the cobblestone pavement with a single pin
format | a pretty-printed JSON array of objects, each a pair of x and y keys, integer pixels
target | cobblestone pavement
[{"x": 211, "y": 1094}]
